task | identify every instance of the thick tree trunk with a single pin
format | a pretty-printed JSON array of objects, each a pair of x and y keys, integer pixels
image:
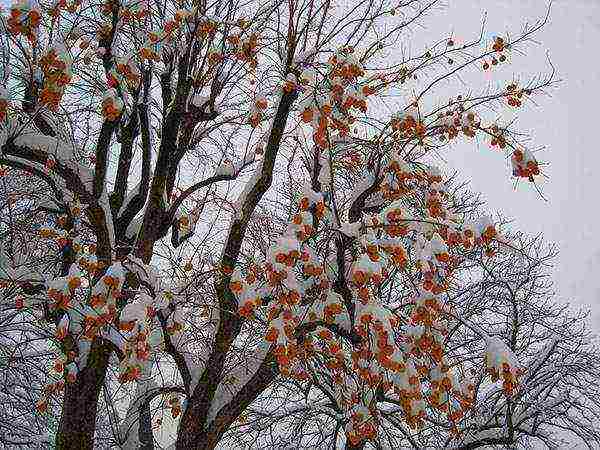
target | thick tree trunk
[
  {"x": 192, "y": 435},
  {"x": 78, "y": 417},
  {"x": 145, "y": 434}
]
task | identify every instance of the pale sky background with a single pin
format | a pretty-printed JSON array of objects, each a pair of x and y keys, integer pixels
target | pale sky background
[{"x": 565, "y": 122}]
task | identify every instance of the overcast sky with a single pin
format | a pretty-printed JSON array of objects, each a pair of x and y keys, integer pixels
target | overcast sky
[{"x": 566, "y": 122}]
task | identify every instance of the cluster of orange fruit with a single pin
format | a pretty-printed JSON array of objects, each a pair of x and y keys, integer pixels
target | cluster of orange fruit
[
  {"x": 54, "y": 10},
  {"x": 112, "y": 105},
  {"x": 509, "y": 377},
  {"x": 524, "y": 164},
  {"x": 128, "y": 69},
  {"x": 257, "y": 110},
  {"x": 344, "y": 92},
  {"x": 150, "y": 51},
  {"x": 175, "y": 406},
  {"x": 514, "y": 95},
  {"x": 136, "y": 351},
  {"x": 246, "y": 49},
  {"x": 362, "y": 427},
  {"x": 24, "y": 19},
  {"x": 134, "y": 11},
  {"x": 56, "y": 66},
  {"x": 4, "y": 99},
  {"x": 498, "y": 46},
  {"x": 408, "y": 125}
]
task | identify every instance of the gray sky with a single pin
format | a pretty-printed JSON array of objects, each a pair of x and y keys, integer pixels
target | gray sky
[{"x": 565, "y": 122}]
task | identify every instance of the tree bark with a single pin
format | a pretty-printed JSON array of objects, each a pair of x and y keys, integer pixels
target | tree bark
[
  {"x": 358, "y": 446},
  {"x": 78, "y": 418},
  {"x": 192, "y": 437},
  {"x": 145, "y": 434}
]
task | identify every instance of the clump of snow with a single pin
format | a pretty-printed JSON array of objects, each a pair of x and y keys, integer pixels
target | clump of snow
[{"x": 350, "y": 229}]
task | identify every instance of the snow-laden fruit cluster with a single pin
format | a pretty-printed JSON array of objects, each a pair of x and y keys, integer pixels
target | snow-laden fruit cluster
[
  {"x": 133, "y": 10},
  {"x": 112, "y": 105},
  {"x": 152, "y": 48},
  {"x": 524, "y": 164},
  {"x": 128, "y": 70},
  {"x": 363, "y": 343},
  {"x": 25, "y": 18},
  {"x": 502, "y": 364},
  {"x": 56, "y": 65},
  {"x": 257, "y": 110},
  {"x": 328, "y": 103},
  {"x": 90, "y": 303}
]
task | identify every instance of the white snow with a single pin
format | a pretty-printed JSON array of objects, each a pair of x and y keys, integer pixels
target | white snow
[{"x": 350, "y": 229}]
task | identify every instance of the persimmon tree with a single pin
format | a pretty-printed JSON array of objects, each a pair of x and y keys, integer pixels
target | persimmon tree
[
  {"x": 511, "y": 298},
  {"x": 243, "y": 191},
  {"x": 24, "y": 355},
  {"x": 29, "y": 358}
]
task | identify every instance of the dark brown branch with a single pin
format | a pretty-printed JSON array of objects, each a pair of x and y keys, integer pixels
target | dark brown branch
[
  {"x": 195, "y": 416},
  {"x": 485, "y": 442},
  {"x": 341, "y": 285},
  {"x": 102, "y": 147},
  {"x": 177, "y": 356},
  {"x": 195, "y": 187},
  {"x": 137, "y": 202},
  {"x": 357, "y": 206},
  {"x": 226, "y": 416},
  {"x": 128, "y": 135}
]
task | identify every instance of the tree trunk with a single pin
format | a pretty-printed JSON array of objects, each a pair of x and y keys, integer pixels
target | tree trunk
[
  {"x": 78, "y": 418},
  {"x": 192, "y": 435},
  {"x": 145, "y": 434}
]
